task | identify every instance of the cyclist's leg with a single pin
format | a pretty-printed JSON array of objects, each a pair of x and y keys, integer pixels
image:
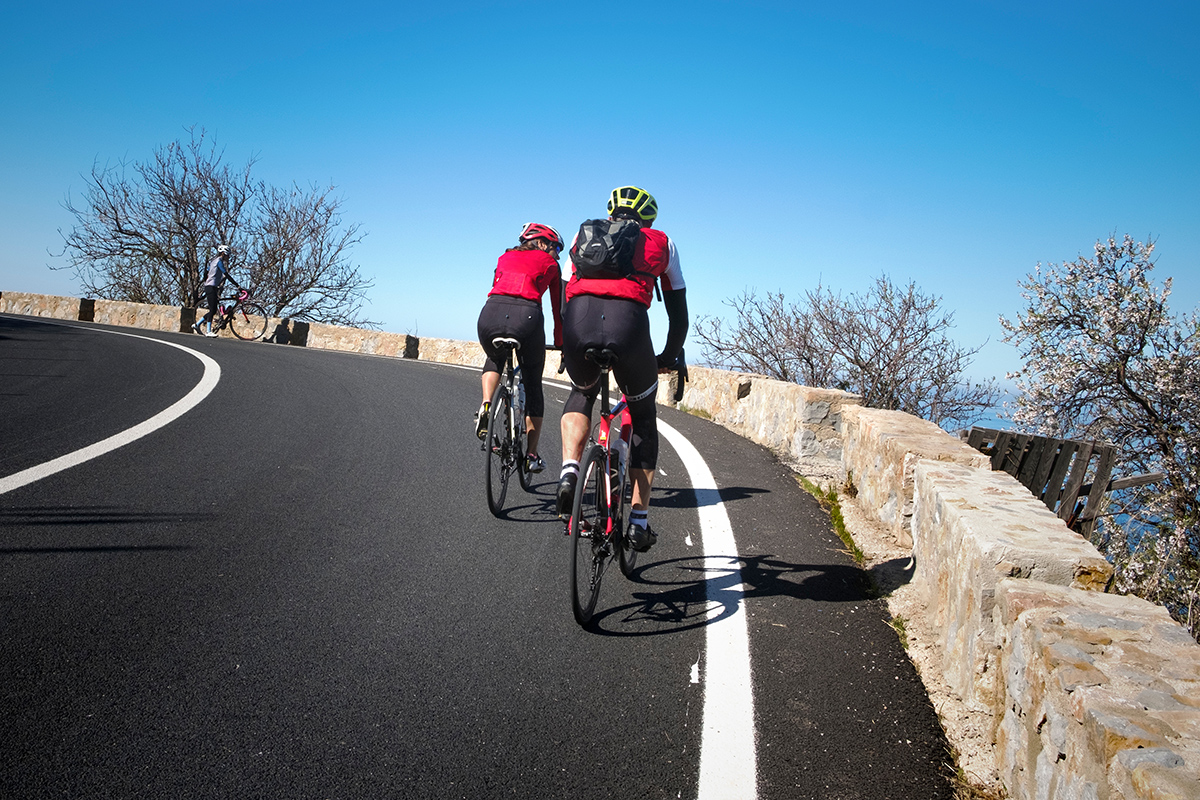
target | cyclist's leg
[
  {"x": 210, "y": 298},
  {"x": 581, "y": 319},
  {"x": 489, "y": 326},
  {"x": 530, "y": 331},
  {"x": 636, "y": 372},
  {"x": 581, "y": 330}
]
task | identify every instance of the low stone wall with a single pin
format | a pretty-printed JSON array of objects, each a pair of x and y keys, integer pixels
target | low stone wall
[
  {"x": 1100, "y": 696},
  {"x": 1091, "y": 695},
  {"x": 140, "y": 315},
  {"x": 880, "y": 453},
  {"x": 42, "y": 305},
  {"x": 972, "y": 527},
  {"x": 800, "y": 423}
]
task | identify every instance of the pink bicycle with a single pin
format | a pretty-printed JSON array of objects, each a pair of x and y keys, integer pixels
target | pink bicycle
[{"x": 245, "y": 318}]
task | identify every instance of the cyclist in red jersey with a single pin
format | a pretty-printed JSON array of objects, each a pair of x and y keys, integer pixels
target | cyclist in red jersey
[
  {"x": 514, "y": 309},
  {"x": 613, "y": 313}
]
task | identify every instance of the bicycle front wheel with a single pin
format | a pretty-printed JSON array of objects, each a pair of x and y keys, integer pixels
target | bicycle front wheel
[
  {"x": 591, "y": 540},
  {"x": 248, "y": 321},
  {"x": 498, "y": 446}
]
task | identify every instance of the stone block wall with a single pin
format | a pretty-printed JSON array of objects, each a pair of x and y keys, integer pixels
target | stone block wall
[
  {"x": 971, "y": 528},
  {"x": 139, "y": 315},
  {"x": 41, "y": 305},
  {"x": 800, "y": 423},
  {"x": 880, "y": 453},
  {"x": 1101, "y": 696}
]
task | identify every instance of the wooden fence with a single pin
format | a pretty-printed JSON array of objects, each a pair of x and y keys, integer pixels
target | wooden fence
[{"x": 1055, "y": 470}]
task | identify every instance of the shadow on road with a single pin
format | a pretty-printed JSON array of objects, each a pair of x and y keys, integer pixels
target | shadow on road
[
  {"x": 686, "y": 497},
  {"x": 14, "y": 520},
  {"x": 686, "y": 593}
]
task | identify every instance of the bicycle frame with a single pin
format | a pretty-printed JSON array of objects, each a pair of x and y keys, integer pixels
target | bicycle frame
[{"x": 614, "y": 479}]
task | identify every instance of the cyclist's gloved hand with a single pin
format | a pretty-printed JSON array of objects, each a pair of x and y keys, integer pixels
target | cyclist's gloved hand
[{"x": 667, "y": 361}]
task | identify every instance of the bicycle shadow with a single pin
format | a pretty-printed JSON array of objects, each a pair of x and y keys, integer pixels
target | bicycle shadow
[
  {"x": 537, "y": 503},
  {"x": 684, "y": 594}
]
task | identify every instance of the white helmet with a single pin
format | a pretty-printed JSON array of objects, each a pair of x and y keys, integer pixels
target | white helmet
[{"x": 222, "y": 249}]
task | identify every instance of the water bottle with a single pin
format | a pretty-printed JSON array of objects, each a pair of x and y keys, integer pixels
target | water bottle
[
  {"x": 520, "y": 390},
  {"x": 622, "y": 454}
]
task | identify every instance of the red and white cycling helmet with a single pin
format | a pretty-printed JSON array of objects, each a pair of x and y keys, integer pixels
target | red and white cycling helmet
[{"x": 536, "y": 230}]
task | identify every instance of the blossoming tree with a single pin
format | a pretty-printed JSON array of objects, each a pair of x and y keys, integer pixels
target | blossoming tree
[{"x": 1104, "y": 359}]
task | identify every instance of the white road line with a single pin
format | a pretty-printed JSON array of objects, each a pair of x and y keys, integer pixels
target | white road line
[
  {"x": 212, "y": 374},
  {"x": 728, "y": 760}
]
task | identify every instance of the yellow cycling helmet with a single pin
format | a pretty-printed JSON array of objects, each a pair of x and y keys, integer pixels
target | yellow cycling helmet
[{"x": 638, "y": 200}]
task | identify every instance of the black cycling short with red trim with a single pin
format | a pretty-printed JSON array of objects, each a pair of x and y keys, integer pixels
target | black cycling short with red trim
[
  {"x": 520, "y": 319},
  {"x": 622, "y": 326}
]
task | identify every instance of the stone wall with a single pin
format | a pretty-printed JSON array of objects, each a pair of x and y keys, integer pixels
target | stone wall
[
  {"x": 1092, "y": 695},
  {"x": 802, "y": 424},
  {"x": 1099, "y": 696},
  {"x": 880, "y": 453}
]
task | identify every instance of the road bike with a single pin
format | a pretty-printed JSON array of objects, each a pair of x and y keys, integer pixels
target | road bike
[
  {"x": 245, "y": 318},
  {"x": 505, "y": 440},
  {"x": 597, "y": 530}
]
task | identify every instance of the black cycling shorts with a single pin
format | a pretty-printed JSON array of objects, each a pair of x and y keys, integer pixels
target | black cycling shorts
[
  {"x": 622, "y": 326},
  {"x": 520, "y": 319}
]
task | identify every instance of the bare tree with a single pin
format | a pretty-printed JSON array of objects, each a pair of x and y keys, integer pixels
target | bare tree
[
  {"x": 1105, "y": 359},
  {"x": 146, "y": 230},
  {"x": 889, "y": 345},
  {"x": 301, "y": 254}
]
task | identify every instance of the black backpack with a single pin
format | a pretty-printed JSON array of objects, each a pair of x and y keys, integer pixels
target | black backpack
[{"x": 604, "y": 248}]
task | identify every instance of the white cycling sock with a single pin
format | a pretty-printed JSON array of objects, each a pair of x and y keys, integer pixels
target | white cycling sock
[
  {"x": 569, "y": 468},
  {"x": 640, "y": 518}
]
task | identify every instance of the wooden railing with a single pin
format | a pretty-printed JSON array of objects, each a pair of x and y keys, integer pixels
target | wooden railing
[{"x": 1055, "y": 470}]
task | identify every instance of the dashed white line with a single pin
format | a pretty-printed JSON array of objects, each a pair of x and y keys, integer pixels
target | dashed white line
[{"x": 212, "y": 374}]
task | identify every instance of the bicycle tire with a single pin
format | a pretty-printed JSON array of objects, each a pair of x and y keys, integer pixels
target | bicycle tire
[
  {"x": 628, "y": 556},
  {"x": 521, "y": 445},
  {"x": 248, "y": 321},
  {"x": 497, "y": 446},
  {"x": 591, "y": 546}
]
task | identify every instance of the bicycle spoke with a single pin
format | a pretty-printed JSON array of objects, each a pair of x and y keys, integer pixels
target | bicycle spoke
[{"x": 248, "y": 320}]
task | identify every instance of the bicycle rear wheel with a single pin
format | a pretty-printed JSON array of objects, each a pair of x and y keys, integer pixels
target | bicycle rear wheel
[
  {"x": 628, "y": 556},
  {"x": 591, "y": 545},
  {"x": 248, "y": 321},
  {"x": 497, "y": 447},
  {"x": 521, "y": 445}
]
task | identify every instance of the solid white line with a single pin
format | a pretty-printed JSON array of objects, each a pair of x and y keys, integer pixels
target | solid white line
[
  {"x": 212, "y": 374},
  {"x": 728, "y": 759}
]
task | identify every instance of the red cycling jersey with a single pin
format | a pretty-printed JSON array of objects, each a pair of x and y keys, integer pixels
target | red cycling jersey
[
  {"x": 651, "y": 259},
  {"x": 530, "y": 274}
]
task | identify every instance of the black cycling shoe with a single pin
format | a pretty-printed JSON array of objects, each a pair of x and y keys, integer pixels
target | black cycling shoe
[
  {"x": 641, "y": 539},
  {"x": 565, "y": 498}
]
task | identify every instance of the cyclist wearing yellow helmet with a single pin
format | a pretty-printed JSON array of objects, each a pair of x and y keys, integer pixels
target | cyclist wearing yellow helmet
[{"x": 613, "y": 312}]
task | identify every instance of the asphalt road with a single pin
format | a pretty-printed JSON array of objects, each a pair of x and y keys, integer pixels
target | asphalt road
[{"x": 295, "y": 590}]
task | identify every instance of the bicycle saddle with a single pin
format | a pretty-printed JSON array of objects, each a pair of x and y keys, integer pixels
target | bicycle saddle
[
  {"x": 604, "y": 357},
  {"x": 502, "y": 341}
]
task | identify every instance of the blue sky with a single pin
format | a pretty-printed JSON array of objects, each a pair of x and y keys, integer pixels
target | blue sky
[{"x": 788, "y": 143}]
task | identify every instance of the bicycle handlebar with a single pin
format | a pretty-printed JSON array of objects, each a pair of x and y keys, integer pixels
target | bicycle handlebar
[{"x": 680, "y": 367}]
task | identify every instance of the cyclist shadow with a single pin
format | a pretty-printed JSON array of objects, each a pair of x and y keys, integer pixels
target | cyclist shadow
[
  {"x": 683, "y": 594},
  {"x": 687, "y": 497}
]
